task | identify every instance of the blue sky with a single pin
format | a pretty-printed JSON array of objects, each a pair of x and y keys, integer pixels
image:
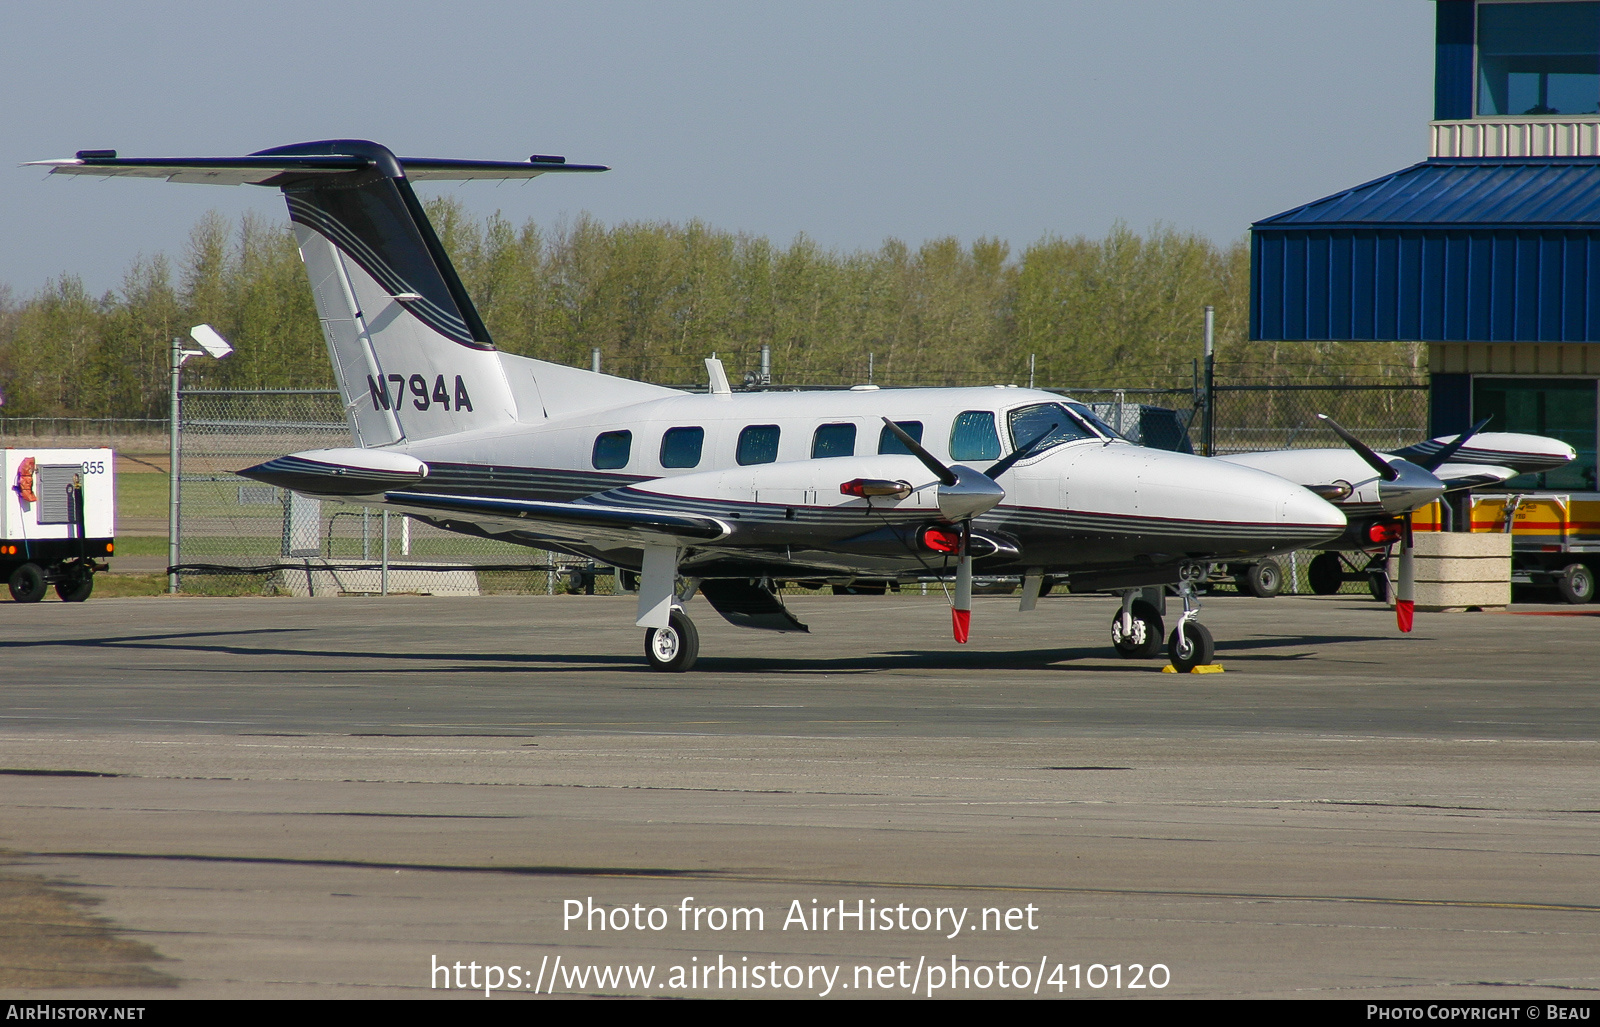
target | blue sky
[{"x": 850, "y": 122}]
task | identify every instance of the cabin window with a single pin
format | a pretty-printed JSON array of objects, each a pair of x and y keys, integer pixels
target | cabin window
[
  {"x": 1048, "y": 422},
  {"x": 758, "y": 444},
  {"x": 611, "y": 450},
  {"x": 973, "y": 436},
  {"x": 680, "y": 447},
  {"x": 833, "y": 440},
  {"x": 889, "y": 442}
]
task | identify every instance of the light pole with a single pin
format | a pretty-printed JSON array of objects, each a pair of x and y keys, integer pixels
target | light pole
[{"x": 214, "y": 344}]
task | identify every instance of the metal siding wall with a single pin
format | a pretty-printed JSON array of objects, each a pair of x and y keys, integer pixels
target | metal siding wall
[
  {"x": 1551, "y": 286},
  {"x": 1385, "y": 286},
  {"x": 1452, "y": 62},
  {"x": 1479, "y": 286},
  {"x": 1455, "y": 270},
  {"x": 1294, "y": 286},
  {"x": 1341, "y": 313},
  {"x": 1575, "y": 287},
  {"x": 1318, "y": 300},
  {"x": 1426, "y": 284},
  {"x": 1363, "y": 276},
  {"x": 1408, "y": 295},
  {"x": 1502, "y": 287}
]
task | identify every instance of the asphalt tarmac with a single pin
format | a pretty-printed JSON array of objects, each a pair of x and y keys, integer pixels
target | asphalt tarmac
[{"x": 337, "y": 797}]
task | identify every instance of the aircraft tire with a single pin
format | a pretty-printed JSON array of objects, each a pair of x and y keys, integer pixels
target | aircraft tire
[
  {"x": 672, "y": 649},
  {"x": 1262, "y": 580},
  {"x": 27, "y": 583},
  {"x": 1326, "y": 574},
  {"x": 1576, "y": 583},
  {"x": 77, "y": 586},
  {"x": 1147, "y": 622},
  {"x": 1194, "y": 649}
]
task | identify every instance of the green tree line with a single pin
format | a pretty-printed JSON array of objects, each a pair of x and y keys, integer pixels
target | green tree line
[{"x": 1123, "y": 311}]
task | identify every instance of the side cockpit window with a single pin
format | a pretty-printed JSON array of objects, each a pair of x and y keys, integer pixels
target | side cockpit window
[
  {"x": 681, "y": 447},
  {"x": 611, "y": 450}
]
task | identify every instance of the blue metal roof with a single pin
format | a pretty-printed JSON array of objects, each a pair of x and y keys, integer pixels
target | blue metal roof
[{"x": 1516, "y": 192}]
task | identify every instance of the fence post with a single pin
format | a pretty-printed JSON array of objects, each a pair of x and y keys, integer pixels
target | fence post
[
  {"x": 1208, "y": 434},
  {"x": 383, "y": 586},
  {"x": 173, "y": 470}
]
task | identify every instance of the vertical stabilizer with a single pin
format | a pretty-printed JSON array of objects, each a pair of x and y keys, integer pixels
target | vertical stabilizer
[{"x": 411, "y": 354}]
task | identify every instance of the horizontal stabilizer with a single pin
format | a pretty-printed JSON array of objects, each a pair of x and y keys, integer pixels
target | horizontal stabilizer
[
  {"x": 340, "y": 472},
  {"x": 270, "y": 168}
]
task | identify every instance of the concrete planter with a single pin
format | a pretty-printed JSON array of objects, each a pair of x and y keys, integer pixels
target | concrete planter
[
  {"x": 1458, "y": 571},
  {"x": 317, "y": 578}
]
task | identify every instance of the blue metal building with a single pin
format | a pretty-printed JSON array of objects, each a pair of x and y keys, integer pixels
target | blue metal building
[{"x": 1489, "y": 250}]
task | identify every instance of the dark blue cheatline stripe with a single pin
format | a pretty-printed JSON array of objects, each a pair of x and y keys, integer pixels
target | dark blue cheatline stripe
[{"x": 448, "y": 323}]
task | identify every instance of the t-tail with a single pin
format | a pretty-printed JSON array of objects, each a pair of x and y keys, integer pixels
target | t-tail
[{"x": 412, "y": 356}]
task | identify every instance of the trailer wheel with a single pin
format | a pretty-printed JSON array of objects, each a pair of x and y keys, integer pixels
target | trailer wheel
[
  {"x": 1262, "y": 580},
  {"x": 76, "y": 585},
  {"x": 27, "y": 583},
  {"x": 1576, "y": 583}
]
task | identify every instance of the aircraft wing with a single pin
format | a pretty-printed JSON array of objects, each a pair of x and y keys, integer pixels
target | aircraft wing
[{"x": 577, "y": 522}]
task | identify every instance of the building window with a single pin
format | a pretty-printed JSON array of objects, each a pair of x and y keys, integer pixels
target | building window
[
  {"x": 1562, "y": 408},
  {"x": 889, "y": 442},
  {"x": 833, "y": 440},
  {"x": 1538, "y": 59},
  {"x": 973, "y": 436},
  {"x": 758, "y": 444},
  {"x": 680, "y": 447}
]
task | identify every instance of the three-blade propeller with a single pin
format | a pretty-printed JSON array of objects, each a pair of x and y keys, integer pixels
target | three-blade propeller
[
  {"x": 964, "y": 493},
  {"x": 1411, "y": 485}
]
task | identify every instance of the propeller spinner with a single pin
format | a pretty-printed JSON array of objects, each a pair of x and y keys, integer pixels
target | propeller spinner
[{"x": 1403, "y": 488}]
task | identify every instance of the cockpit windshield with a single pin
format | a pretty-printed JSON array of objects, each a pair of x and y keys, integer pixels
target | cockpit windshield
[
  {"x": 1094, "y": 420},
  {"x": 1050, "y": 423}
]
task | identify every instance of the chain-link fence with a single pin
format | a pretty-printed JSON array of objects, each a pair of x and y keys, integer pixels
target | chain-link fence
[{"x": 238, "y": 535}]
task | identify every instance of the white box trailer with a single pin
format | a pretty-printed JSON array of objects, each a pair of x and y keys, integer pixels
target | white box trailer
[{"x": 57, "y": 520}]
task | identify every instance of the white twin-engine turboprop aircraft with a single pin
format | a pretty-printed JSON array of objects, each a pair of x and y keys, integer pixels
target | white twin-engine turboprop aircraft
[{"x": 719, "y": 493}]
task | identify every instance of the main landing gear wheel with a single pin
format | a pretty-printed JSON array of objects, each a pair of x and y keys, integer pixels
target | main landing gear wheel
[
  {"x": 1326, "y": 574},
  {"x": 27, "y": 583},
  {"x": 1576, "y": 583},
  {"x": 1263, "y": 580},
  {"x": 76, "y": 586},
  {"x": 673, "y": 648},
  {"x": 1190, "y": 646},
  {"x": 1143, "y": 639}
]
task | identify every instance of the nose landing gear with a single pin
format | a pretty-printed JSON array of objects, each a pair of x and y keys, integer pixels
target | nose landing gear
[{"x": 1191, "y": 644}]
